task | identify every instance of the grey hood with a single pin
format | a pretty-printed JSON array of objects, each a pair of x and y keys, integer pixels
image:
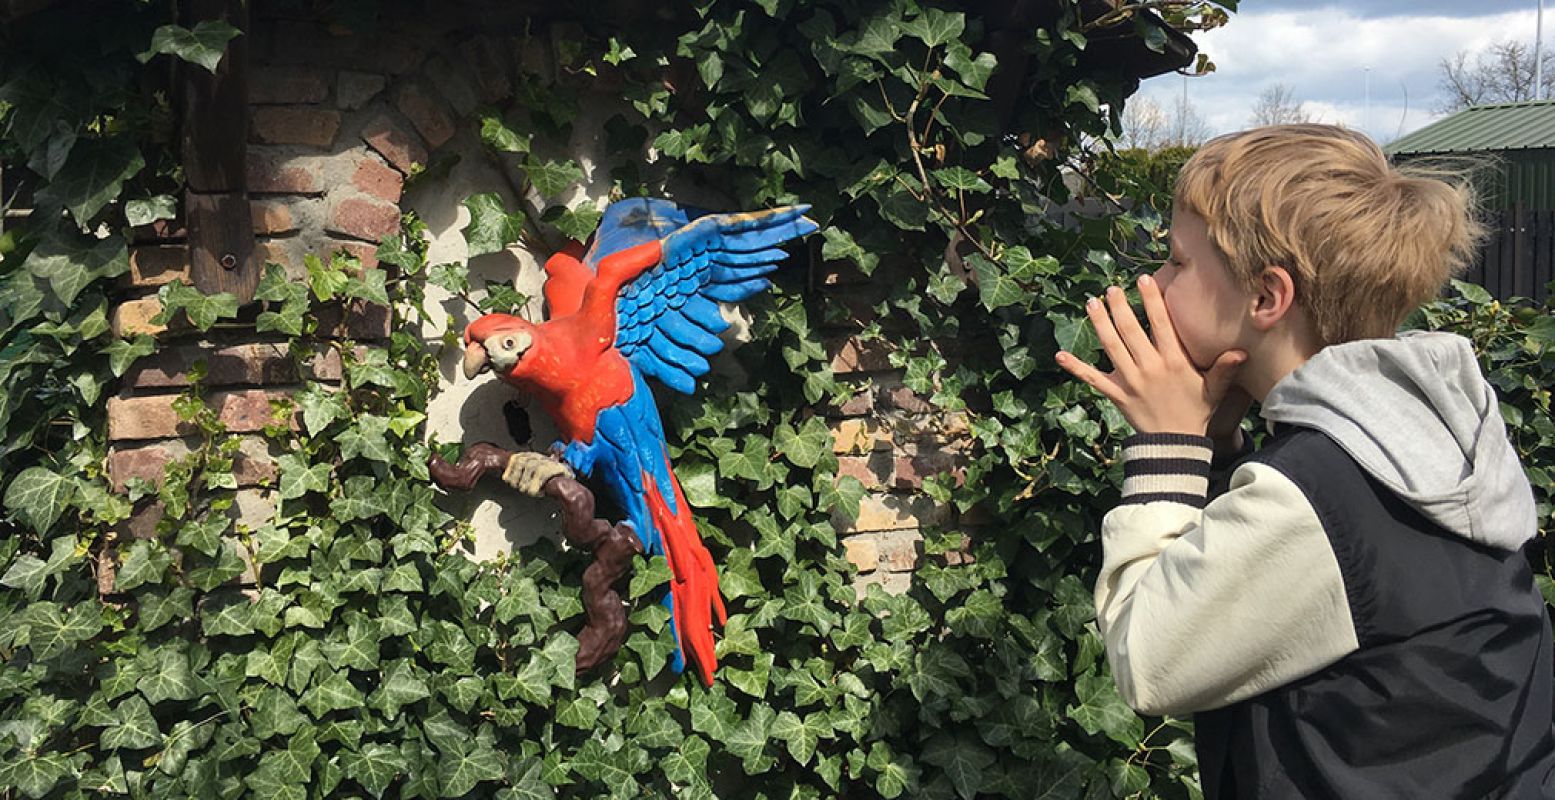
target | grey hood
[{"x": 1418, "y": 416}]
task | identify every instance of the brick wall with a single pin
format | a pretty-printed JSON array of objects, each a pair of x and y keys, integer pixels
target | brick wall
[
  {"x": 889, "y": 438},
  {"x": 339, "y": 123}
]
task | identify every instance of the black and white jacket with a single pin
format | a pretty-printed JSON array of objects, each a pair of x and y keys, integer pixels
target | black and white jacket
[{"x": 1348, "y": 614}]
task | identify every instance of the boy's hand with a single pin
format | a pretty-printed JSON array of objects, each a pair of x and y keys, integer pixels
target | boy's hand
[{"x": 1154, "y": 384}]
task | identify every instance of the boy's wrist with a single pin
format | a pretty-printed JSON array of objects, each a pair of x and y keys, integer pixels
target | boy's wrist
[{"x": 1171, "y": 467}]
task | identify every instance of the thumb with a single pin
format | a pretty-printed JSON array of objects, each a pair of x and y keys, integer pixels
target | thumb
[{"x": 1217, "y": 380}]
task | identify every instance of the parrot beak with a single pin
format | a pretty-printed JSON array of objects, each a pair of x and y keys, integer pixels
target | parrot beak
[{"x": 475, "y": 360}]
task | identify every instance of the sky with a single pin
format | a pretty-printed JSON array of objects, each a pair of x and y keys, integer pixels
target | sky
[{"x": 1323, "y": 52}]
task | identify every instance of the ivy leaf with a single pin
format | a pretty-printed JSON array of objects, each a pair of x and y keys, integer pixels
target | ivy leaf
[
  {"x": 491, "y": 227},
  {"x": 144, "y": 563},
  {"x": 801, "y": 735},
  {"x": 894, "y": 774},
  {"x": 298, "y": 477},
  {"x": 936, "y": 27},
  {"x": 964, "y": 761},
  {"x": 204, "y": 535},
  {"x": 1102, "y": 710},
  {"x": 70, "y": 262},
  {"x": 320, "y": 407},
  {"x": 367, "y": 438},
  {"x": 169, "y": 677},
  {"x": 648, "y": 575},
  {"x": 748, "y": 741},
  {"x": 335, "y": 693},
  {"x": 995, "y": 286},
  {"x": 145, "y": 212},
  {"x": 552, "y": 177},
  {"x": 400, "y": 687},
  {"x": 374, "y": 766},
  {"x": 204, "y": 45},
  {"x": 52, "y": 630},
  {"x": 498, "y": 136},
  {"x": 578, "y": 223},
  {"x": 122, "y": 353},
  {"x": 961, "y": 179},
  {"x": 34, "y": 773},
  {"x": 1075, "y": 335},
  {"x": 372, "y": 286},
  {"x": 803, "y": 448},
  {"x": 135, "y": 728},
  {"x": 202, "y": 309},
  {"x": 840, "y": 244},
  {"x": 460, "y": 771},
  {"x": 37, "y": 497},
  {"x": 92, "y": 178}
]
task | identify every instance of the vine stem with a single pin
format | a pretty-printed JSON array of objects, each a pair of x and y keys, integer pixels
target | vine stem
[{"x": 1123, "y": 12}]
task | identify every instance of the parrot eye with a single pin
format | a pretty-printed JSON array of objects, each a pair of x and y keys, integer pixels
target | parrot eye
[{"x": 509, "y": 343}]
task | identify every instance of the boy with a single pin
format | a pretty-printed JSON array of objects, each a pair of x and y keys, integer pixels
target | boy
[{"x": 1352, "y": 616}]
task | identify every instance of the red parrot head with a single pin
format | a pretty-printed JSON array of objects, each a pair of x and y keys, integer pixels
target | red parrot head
[{"x": 499, "y": 342}]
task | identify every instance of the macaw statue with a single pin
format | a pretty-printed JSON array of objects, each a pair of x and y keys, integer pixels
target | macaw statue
[{"x": 641, "y": 302}]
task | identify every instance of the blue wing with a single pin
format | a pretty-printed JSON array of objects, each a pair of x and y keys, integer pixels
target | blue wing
[{"x": 667, "y": 320}]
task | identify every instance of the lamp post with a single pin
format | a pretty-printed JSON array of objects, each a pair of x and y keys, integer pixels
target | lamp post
[{"x": 1538, "y": 55}]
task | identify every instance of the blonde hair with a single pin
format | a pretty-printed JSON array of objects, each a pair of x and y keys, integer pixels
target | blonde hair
[{"x": 1364, "y": 241}]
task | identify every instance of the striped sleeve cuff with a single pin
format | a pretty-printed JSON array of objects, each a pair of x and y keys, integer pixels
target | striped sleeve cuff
[{"x": 1170, "y": 467}]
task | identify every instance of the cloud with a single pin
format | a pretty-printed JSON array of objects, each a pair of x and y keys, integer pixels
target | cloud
[{"x": 1324, "y": 56}]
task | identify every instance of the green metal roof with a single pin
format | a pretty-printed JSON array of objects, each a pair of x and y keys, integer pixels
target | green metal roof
[{"x": 1514, "y": 126}]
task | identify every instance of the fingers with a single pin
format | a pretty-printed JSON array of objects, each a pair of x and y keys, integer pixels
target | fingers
[
  {"x": 1111, "y": 343},
  {"x": 1091, "y": 376},
  {"x": 1128, "y": 327},
  {"x": 1217, "y": 381},
  {"x": 1161, "y": 327}
]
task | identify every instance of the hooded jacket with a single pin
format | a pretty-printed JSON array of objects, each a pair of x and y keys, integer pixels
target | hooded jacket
[{"x": 1347, "y": 611}]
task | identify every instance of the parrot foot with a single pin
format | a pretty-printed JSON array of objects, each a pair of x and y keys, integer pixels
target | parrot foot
[{"x": 529, "y": 472}]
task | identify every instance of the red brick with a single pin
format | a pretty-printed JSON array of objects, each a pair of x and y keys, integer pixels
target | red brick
[
  {"x": 364, "y": 218},
  {"x": 890, "y": 512},
  {"x": 252, "y": 465},
  {"x": 426, "y": 112},
  {"x": 859, "y": 436},
  {"x": 397, "y": 145},
  {"x": 365, "y": 253},
  {"x": 146, "y": 463},
  {"x": 358, "y": 320},
  {"x": 907, "y": 400},
  {"x": 354, "y": 89},
  {"x": 153, "y": 417},
  {"x": 862, "y": 552},
  {"x": 274, "y": 173},
  {"x": 154, "y": 265},
  {"x": 272, "y": 217},
  {"x": 244, "y": 364},
  {"x": 378, "y": 180},
  {"x": 134, "y": 316},
  {"x": 899, "y": 550},
  {"x": 278, "y": 251},
  {"x": 142, "y": 523},
  {"x": 488, "y": 59},
  {"x": 287, "y": 85},
  {"x": 295, "y": 125},
  {"x": 856, "y": 355},
  {"x": 873, "y": 470},
  {"x": 911, "y": 470}
]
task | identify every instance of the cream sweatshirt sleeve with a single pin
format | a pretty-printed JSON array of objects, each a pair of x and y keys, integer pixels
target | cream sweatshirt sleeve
[{"x": 1203, "y": 604}]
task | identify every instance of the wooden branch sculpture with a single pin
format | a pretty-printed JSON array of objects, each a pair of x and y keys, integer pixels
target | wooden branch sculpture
[{"x": 613, "y": 545}]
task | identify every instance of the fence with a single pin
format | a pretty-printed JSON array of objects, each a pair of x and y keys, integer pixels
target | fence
[{"x": 1518, "y": 258}]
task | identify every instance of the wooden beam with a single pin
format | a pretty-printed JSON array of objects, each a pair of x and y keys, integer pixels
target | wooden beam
[{"x": 215, "y": 155}]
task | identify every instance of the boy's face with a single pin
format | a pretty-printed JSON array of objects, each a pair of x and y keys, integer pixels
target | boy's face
[{"x": 1207, "y": 308}]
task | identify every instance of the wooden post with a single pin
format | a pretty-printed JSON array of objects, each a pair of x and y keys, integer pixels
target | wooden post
[{"x": 215, "y": 137}]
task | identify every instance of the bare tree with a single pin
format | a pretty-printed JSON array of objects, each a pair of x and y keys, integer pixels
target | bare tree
[
  {"x": 1186, "y": 127},
  {"x": 1277, "y": 106},
  {"x": 1503, "y": 73},
  {"x": 1144, "y": 125}
]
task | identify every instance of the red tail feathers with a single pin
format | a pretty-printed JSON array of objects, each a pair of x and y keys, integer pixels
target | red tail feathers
[{"x": 694, "y": 582}]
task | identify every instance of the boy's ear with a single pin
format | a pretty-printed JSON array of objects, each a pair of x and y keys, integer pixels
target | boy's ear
[{"x": 1274, "y": 299}]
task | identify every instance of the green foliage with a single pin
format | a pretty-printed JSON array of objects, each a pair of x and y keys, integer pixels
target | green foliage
[{"x": 370, "y": 657}]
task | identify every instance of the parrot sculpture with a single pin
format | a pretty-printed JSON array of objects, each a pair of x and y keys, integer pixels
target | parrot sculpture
[{"x": 642, "y": 301}]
